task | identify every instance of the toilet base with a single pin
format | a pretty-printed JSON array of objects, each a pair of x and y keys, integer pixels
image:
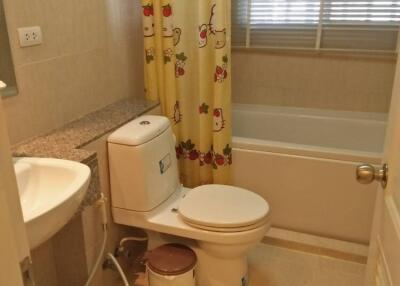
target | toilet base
[{"x": 216, "y": 271}]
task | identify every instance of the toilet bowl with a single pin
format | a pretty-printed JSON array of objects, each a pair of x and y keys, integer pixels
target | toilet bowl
[{"x": 225, "y": 221}]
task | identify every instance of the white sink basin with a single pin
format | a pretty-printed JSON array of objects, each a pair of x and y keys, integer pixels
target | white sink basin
[{"x": 50, "y": 191}]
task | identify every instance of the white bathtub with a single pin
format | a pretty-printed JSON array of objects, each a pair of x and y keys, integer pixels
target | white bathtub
[{"x": 303, "y": 162}]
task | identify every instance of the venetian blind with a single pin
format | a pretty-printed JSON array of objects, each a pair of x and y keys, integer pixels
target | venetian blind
[{"x": 316, "y": 24}]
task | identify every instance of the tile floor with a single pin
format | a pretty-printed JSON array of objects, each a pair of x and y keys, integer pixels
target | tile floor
[{"x": 276, "y": 266}]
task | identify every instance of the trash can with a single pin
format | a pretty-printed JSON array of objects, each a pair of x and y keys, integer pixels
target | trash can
[{"x": 172, "y": 265}]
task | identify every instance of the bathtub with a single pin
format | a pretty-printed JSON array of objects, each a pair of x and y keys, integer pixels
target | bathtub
[{"x": 302, "y": 161}]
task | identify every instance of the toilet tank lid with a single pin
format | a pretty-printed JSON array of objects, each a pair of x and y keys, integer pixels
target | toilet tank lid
[{"x": 140, "y": 130}]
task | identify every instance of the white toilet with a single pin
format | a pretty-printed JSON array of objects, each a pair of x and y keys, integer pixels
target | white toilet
[{"x": 225, "y": 221}]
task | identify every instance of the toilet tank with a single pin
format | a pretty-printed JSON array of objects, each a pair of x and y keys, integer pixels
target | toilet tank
[{"x": 142, "y": 163}]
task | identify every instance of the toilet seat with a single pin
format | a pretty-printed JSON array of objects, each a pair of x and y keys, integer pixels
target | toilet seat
[
  {"x": 222, "y": 208},
  {"x": 229, "y": 229}
]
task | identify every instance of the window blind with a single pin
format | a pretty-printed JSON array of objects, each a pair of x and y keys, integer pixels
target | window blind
[{"x": 317, "y": 24}]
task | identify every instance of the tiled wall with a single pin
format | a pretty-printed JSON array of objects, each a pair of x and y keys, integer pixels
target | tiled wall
[
  {"x": 331, "y": 81},
  {"x": 91, "y": 57}
]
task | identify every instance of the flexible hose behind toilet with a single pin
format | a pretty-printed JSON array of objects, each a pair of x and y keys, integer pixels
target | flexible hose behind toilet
[
  {"x": 120, "y": 271},
  {"x": 102, "y": 205}
]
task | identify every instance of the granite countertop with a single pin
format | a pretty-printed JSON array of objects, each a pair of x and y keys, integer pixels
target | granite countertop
[{"x": 66, "y": 142}]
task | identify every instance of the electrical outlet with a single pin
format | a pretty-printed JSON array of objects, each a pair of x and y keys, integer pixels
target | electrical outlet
[{"x": 30, "y": 36}]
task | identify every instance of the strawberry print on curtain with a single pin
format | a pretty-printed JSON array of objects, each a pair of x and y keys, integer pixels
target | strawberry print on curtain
[{"x": 188, "y": 69}]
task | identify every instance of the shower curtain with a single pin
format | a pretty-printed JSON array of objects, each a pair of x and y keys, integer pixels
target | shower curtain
[{"x": 188, "y": 69}]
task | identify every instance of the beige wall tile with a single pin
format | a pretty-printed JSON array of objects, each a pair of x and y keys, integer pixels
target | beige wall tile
[
  {"x": 91, "y": 56},
  {"x": 82, "y": 25},
  {"x": 22, "y": 13},
  {"x": 276, "y": 266},
  {"x": 339, "y": 82}
]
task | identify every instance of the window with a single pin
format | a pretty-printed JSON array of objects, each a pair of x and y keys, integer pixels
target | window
[{"x": 371, "y": 25}]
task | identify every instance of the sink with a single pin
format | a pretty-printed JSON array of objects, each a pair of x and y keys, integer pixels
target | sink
[{"x": 51, "y": 191}]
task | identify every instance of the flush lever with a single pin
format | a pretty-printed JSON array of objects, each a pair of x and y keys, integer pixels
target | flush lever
[{"x": 366, "y": 174}]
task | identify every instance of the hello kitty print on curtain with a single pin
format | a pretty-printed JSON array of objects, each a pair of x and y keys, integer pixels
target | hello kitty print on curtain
[{"x": 188, "y": 69}]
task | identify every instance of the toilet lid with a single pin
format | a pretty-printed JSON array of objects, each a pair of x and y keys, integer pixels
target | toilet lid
[{"x": 221, "y": 206}]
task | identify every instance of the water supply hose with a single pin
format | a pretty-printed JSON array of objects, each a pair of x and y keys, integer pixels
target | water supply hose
[
  {"x": 101, "y": 203},
  {"x": 120, "y": 271}
]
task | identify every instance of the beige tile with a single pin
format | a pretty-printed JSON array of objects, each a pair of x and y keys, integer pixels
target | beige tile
[
  {"x": 82, "y": 25},
  {"x": 337, "y": 272},
  {"x": 311, "y": 80},
  {"x": 274, "y": 266},
  {"x": 129, "y": 12},
  {"x": 43, "y": 78},
  {"x": 19, "y": 117},
  {"x": 20, "y": 13},
  {"x": 318, "y": 245},
  {"x": 84, "y": 82},
  {"x": 92, "y": 56},
  {"x": 329, "y": 264}
]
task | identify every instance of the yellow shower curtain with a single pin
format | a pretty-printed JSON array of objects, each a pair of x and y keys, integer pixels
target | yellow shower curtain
[{"x": 188, "y": 69}]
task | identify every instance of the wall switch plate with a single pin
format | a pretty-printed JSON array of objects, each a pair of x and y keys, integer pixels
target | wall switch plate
[{"x": 30, "y": 36}]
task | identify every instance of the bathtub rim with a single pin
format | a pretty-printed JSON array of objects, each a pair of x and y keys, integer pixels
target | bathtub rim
[
  {"x": 286, "y": 148},
  {"x": 378, "y": 117}
]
